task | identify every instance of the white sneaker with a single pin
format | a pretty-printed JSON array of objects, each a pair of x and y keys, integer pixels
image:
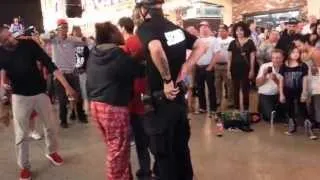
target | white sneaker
[
  {"x": 132, "y": 143},
  {"x": 313, "y": 137},
  {"x": 35, "y": 135}
]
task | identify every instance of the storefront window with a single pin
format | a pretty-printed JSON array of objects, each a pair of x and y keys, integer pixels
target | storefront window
[{"x": 273, "y": 19}]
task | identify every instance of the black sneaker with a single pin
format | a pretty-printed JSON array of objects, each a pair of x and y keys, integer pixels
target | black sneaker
[
  {"x": 292, "y": 127},
  {"x": 64, "y": 125},
  {"x": 316, "y": 126},
  {"x": 155, "y": 177},
  {"x": 83, "y": 120},
  {"x": 73, "y": 116},
  {"x": 212, "y": 114},
  {"x": 143, "y": 174}
]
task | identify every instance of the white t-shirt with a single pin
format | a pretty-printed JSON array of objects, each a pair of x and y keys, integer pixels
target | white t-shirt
[
  {"x": 314, "y": 83},
  {"x": 212, "y": 49},
  {"x": 223, "y": 48},
  {"x": 306, "y": 30},
  {"x": 269, "y": 87}
]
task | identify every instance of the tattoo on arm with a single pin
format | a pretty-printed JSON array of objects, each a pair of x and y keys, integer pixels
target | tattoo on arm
[
  {"x": 160, "y": 60},
  {"x": 164, "y": 68}
]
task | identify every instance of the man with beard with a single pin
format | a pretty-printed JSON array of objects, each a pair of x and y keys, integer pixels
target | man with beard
[
  {"x": 19, "y": 59},
  {"x": 288, "y": 36}
]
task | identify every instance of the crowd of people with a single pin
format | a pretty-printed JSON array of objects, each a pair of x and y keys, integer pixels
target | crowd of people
[
  {"x": 106, "y": 77},
  {"x": 282, "y": 65}
]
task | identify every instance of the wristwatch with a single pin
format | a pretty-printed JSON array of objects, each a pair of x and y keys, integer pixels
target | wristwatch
[{"x": 167, "y": 81}]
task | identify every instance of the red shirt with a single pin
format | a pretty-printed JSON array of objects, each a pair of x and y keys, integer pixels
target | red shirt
[{"x": 133, "y": 47}]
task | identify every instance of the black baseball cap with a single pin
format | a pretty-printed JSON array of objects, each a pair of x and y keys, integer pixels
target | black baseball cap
[
  {"x": 147, "y": 3},
  {"x": 293, "y": 21}
]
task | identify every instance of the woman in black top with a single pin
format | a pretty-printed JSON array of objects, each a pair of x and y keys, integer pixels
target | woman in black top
[
  {"x": 241, "y": 64},
  {"x": 293, "y": 89}
]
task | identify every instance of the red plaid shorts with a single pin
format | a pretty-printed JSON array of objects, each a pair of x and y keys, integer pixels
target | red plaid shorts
[{"x": 114, "y": 124}]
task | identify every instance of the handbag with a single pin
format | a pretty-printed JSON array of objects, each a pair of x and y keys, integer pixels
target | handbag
[{"x": 235, "y": 120}]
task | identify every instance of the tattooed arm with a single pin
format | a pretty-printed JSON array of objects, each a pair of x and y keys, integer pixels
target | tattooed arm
[{"x": 159, "y": 59}]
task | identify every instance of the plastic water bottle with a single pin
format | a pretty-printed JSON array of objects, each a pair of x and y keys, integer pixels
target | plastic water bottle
[
  {"x": 220, "y": 128},
  {"x": 273, "y": 116}
]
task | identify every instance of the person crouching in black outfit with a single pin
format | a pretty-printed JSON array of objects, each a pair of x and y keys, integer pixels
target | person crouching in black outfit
[{"x": 165, "y": 46}]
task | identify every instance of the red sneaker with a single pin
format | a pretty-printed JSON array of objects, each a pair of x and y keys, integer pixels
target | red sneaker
[
  {"x": 55, "y": 158},
  {"x": 25, "y": 174}
]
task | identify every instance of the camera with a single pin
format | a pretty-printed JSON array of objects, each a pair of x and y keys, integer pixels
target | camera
[{"x": 269, "y": 70}]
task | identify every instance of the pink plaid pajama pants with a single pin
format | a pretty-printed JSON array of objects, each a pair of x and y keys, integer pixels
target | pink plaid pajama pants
[{"x": 114, "y": 124}]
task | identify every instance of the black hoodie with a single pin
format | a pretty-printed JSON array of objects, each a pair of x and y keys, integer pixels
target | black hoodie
[
  {"x": 110, "y": 75},
  {"x": 285, "y": 41}
]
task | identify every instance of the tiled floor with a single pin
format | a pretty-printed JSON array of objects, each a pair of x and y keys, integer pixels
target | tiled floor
[{"x": 266, "y": 154}]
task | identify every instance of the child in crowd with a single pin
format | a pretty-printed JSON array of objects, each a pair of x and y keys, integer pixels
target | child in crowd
[{"x": 293, "y": 89}]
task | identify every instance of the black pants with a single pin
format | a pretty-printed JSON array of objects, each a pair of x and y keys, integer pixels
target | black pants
[
  {"x": 142, "y": 143},
  {"x": 291, "y": 103},
  {"x": 73, "y": 80},
  {"x": 203, "y": 76},
  {"x": 315, "y": 107},
  {"x": 267, "y": 104},
  {"x": 169, "y": 143},
  {"x": 244, "y": 85}
]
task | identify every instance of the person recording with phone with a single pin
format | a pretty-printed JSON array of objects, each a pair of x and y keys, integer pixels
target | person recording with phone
[
  {"x": 165, "y": 46},
  {"x": 268, "y": 84}
]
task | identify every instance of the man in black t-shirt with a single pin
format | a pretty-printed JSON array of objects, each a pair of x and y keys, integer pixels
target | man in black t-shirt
[
  {"x": 19, "y": 59},
  {"x": 288, "y": 36},
  {"x": 165, "y": 46}
]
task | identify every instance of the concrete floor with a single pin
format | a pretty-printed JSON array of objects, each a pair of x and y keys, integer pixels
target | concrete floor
[{"x": 266, "y": 154}]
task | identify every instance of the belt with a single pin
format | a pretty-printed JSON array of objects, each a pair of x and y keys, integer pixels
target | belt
[
  {"x": 221, "y": 63},
  {"x": 202, "y": 66}
]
